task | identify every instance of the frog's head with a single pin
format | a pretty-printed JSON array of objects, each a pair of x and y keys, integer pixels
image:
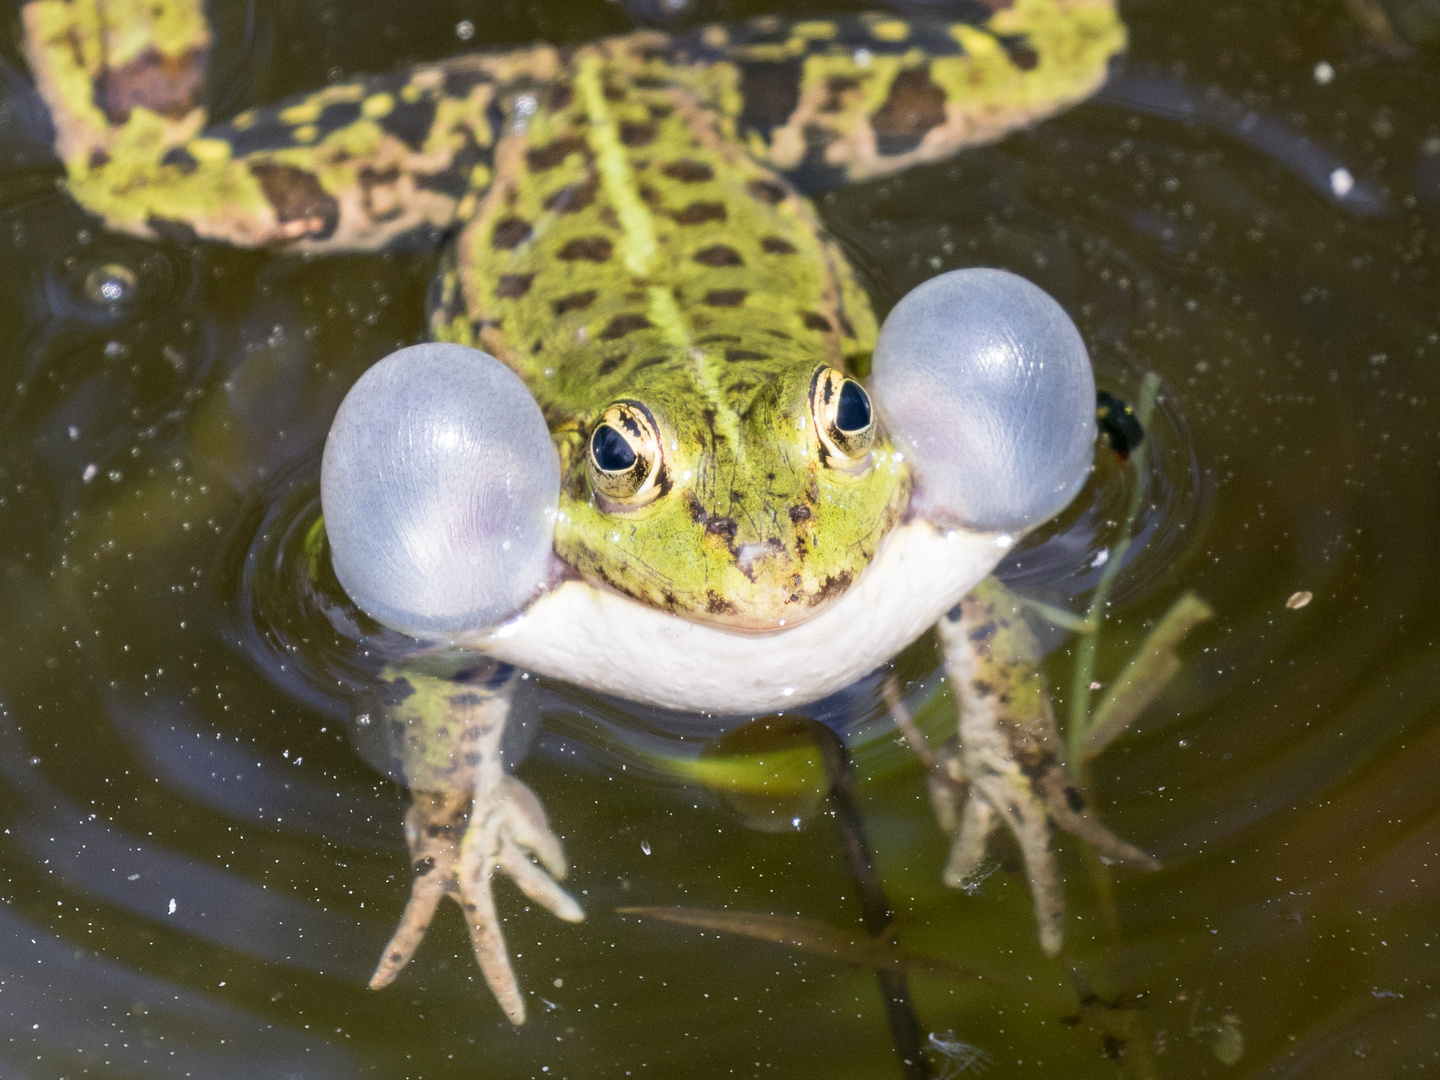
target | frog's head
[
  {"x": 749, "y": 503},
  {"x": 745, "y": 502}
]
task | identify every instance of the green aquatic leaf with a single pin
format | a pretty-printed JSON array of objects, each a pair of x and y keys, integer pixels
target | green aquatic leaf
[{"x": 1153, "y": 665}]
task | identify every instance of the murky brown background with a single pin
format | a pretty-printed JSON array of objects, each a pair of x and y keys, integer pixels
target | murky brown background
[{"x": 197, "y": 871}]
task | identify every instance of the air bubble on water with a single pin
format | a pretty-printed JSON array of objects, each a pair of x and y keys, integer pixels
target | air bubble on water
[
  {"x": 110, "y": 284},
  {"x": 464, "y": 29},
  {"x": 645, "y": 846},
  {"x": 1341, "y": 182},
  {"x": 1324, "y": 73}
]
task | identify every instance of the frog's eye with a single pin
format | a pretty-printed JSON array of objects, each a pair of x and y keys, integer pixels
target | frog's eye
[
  {"x": 843, "y": 416},
  {"x": 625, "y": 453}
]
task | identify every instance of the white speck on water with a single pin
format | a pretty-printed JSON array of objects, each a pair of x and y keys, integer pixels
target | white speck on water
[
  {"x": 133, "y": 877},
  {"x": 74, "y": 433},
  {"x": 1341, "y": 182},
  {"x": 1299, "y": 599},
  {"x": 1004, "y": 540},
  {"x": 645, "y": 846},
  {"x": 1324, "y": 73},
  {"x": 172, "y": 906},
  {"x": 89, "y": 473},
  {"x": 464, "y": 29},
  {"x": 1101, "y": 558},
  {"x": 795, "y": 822}
]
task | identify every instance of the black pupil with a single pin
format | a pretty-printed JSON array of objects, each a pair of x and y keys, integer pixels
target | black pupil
[
  {"x": 853, "y": 411},
  {"x": 613, "y": 453}
]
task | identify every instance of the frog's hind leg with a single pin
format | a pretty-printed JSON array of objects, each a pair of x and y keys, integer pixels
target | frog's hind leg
[
  {"x": 1004, "y": 764},
  {"x": 827, "y": 101},
  {"x": 469, "y": 817},
  {"x": 383, "y": 161},
  {"x": 117, "y": 74}
]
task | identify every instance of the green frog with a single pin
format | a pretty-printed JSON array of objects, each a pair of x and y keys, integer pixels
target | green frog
[{"x": 659, "y": 446}]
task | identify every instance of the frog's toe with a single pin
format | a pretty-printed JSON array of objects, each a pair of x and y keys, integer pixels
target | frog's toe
[
  {"x": 433, "y": 827},
  {"x": 977, "y": 821},
  {"x": 507, "y": 827},
  {"x": 1067, "y": 809},
  {"x": 1030, "y": 823}
]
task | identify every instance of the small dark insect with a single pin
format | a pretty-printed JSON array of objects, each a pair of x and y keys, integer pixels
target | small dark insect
[{"x": 1119, "y": 427}]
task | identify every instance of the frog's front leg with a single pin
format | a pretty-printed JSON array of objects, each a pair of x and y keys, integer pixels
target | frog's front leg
[
  {"x": 446, "y": 732},
  {"x": 1005, "y": 763}
]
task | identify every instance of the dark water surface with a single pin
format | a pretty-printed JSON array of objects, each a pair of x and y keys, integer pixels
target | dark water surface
[{"x": 198, "y": 871}]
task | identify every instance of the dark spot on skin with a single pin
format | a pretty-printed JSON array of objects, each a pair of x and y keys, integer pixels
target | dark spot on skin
[
  {"x": 335, "y": 116},
  {"x": 954, "y": 613},
  {"x": 715, "y": 604},
  {"x": 722, "y": 526},
  {"x": 766, "y": 191},
  {"x": 410, "y": 121},
  {"x": 648, "y": 82},
  {"x": 378, "y": 195},
  {"x": 648, "y": 194},
  {"x": 466, "y": 700},
  {"x": 99, "y": 158},
  {"x": 540, "y": 158},
  {"x": 177, "y": 232},
  {"x": 688, "y": 172},
  {"x": 799, "y": 512},
  {"x": 982, "y": 634},
  {"x": 634, "y": 135},
  {"x": 770, "y": 92},
  {"x": 621, "y": 325},
  {"x": 513, "y": 286},
  {"x": 177, "y": 157},
  {"x": 726, "y": 297},
  {"x": 1074, "y": 799},
  {"x": 743, "y": 354},
  {"x": 395, "y": 691},
  {"x": 776, "y": 245},
  {"x": 613, "y": 91},
  {"x": 833, "y": 587},
  {"x": 815, "y": 321},
  {"x": 781, "y": 334},
  {"x": 434, "y": 831},
  {"x": 698, "y": 213},
  {"x": 575, "y": 302},
  {"x": 610, "y": 363},
  {"x": 424, "y": 865},
  {"x": 587, "y": 248},
  {"x": 719, "y": 255},
  {"x": 659, "y": 110},
  {"x": 573, "y": 197},
  {"x": 472, "y": 758},
  {"x": 561, "y": 94},
  {"x": 162, "y": 84},
  {"x": 983, "y": 688},
  {"x": 297, "y": 195},
  {"x": 835, "y": 90},
  {"x": 395, "y": 958},
  {"x": 454, "y": 179},
  {"x": 510, "y": 234},
  {"x": 472, "y": 733},
  {"x": 711, "y": 339},
  {"x": 914, "y": 106},
  {"x": 459, "y": 83},
  {"x": 845, "y": 327},
  {"x": 1022, "y": 54}
]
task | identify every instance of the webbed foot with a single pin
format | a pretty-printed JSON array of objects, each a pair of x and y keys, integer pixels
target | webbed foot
[
  {"x": 1005, "y": 765},
  {"x": 456, "y": 845}
]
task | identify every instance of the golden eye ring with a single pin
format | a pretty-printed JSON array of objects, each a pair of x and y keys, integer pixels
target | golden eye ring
[
  {"x": 624, "y": 454},
  {"x": 844, "y": 418}
]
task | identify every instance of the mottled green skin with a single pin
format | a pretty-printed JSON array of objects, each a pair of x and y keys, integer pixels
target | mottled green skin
[{"x": 630, "y": 230}]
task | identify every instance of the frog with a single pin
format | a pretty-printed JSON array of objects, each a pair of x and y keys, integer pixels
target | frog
[{"x": 659, "y": 445}]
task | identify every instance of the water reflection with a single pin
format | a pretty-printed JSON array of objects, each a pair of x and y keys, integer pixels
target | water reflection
[{"x": 176, "y": 676}]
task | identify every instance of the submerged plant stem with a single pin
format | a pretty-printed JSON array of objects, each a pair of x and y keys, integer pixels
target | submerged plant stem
[{"x": 1077, "y": 731}]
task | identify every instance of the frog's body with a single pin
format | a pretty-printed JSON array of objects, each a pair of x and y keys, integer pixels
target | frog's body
[{"x": 630, "y": 234}]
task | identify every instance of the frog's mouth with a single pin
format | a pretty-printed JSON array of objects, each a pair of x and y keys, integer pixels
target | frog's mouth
[{"x": 593, "y": 637}]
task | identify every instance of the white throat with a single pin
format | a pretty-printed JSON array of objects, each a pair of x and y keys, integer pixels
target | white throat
[{"x": 607, "y": 642}]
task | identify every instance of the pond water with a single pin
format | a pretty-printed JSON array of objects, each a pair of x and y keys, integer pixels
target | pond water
[{"x": 199, "y": 871}]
